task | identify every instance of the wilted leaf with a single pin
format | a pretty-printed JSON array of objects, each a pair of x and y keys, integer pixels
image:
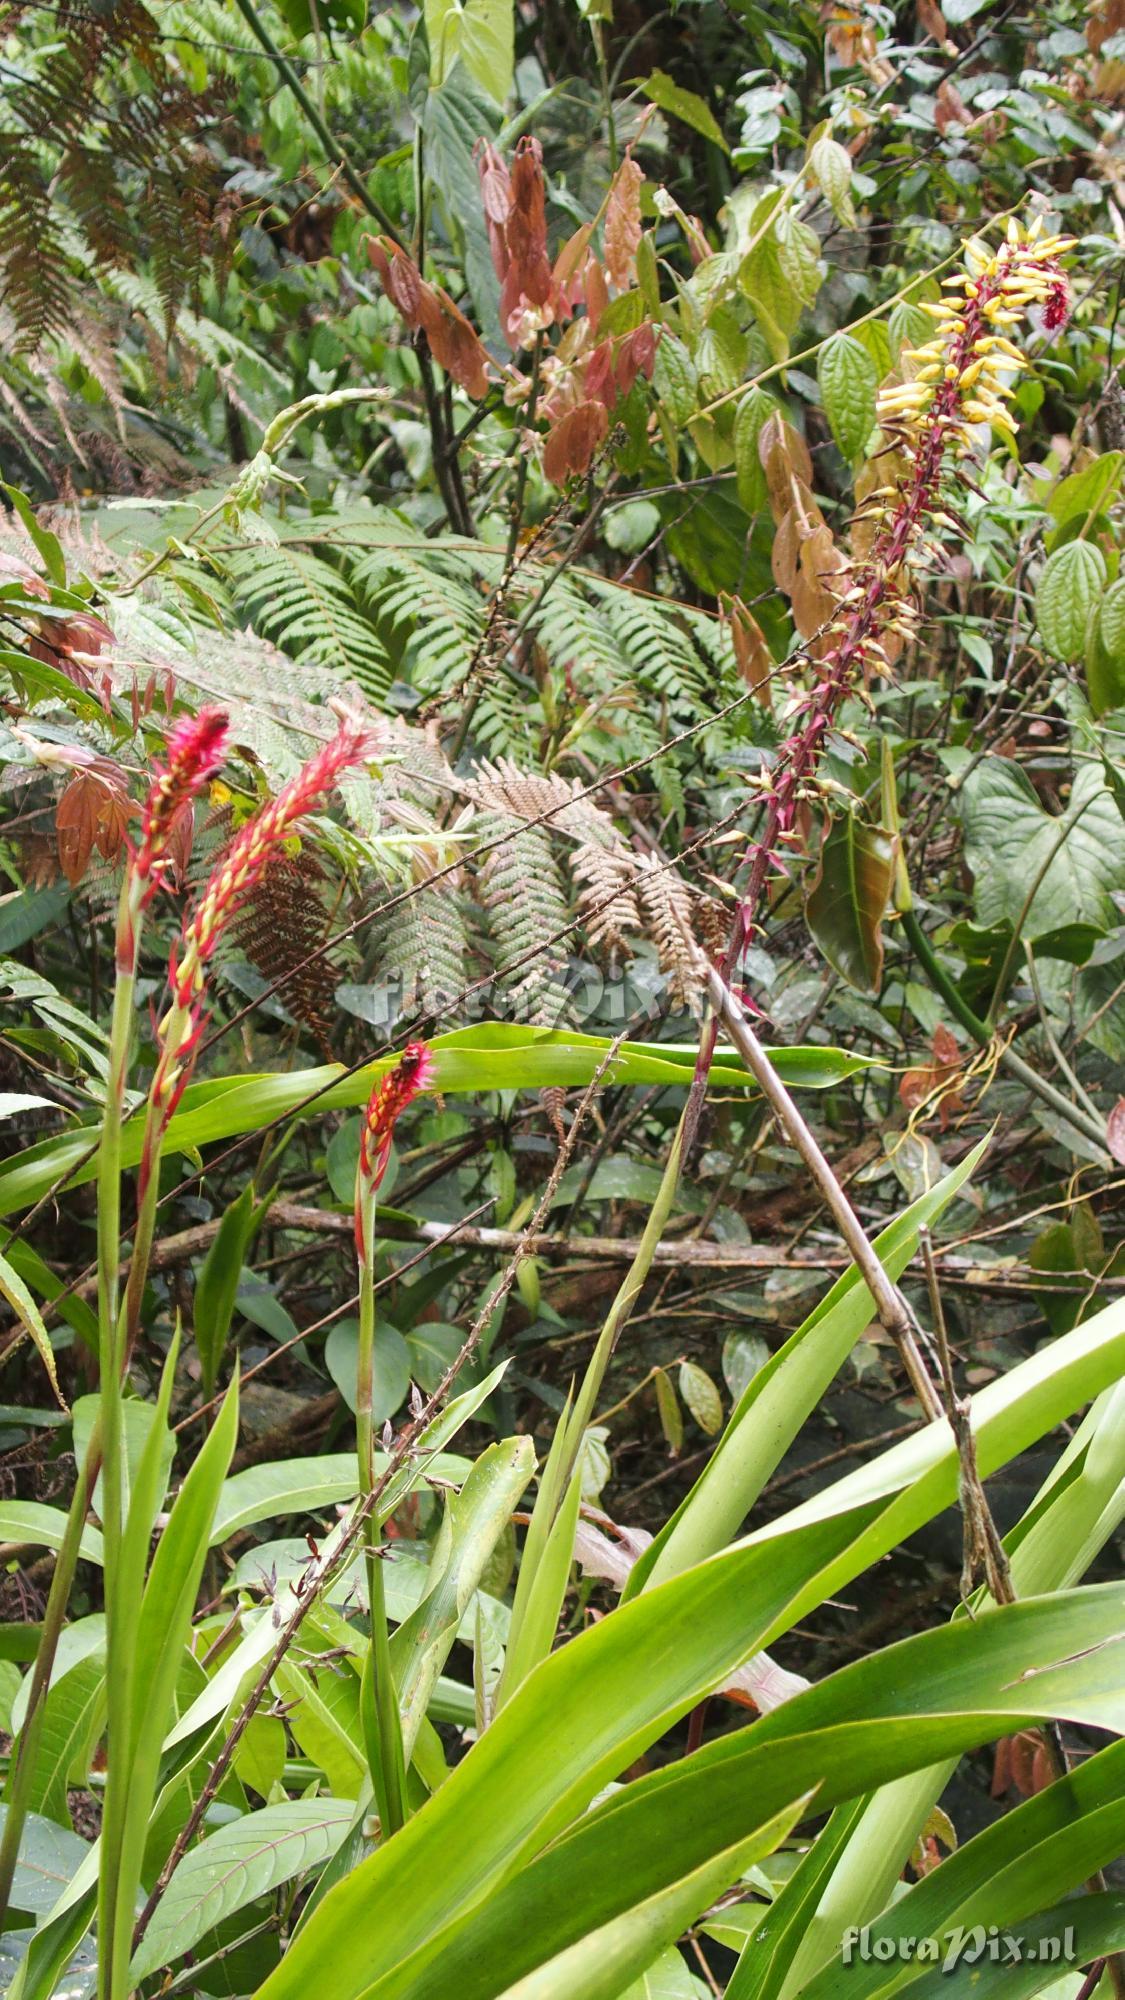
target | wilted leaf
[{"x": 1115, "y": 1131}]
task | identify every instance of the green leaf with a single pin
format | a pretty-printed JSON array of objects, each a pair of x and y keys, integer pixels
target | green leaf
[
  {"x": 743, "y": 1355},
  {"x": 49, "y": 1856},
  {"x": 233, "y": 1867},
  {"x": 26, "y": 912},
  {"x": 1086, "y": 493},
  {"x": 848, "y": 382},
  {"x": 749, "y": 418},
  {"x": 908, "y": 327},
  {"x": 475, "y": 1520},
  {"x": 71, "y": 1721},
  {"x": 137, "y": 1424},
  {"x": 1010, "y": 840},
  {"x": 1070, "y": 587},
  {"x": 218, "y": 1282},
  {"x": 674, "y": 379},
  {"x": 13, "y": 1289},
  {"x": 667, "y": 95},
  {"x": 830, "y": 166},
  {"x": 47, "y": 546},
  {"x": 494, "y": 1055},
  {"x": 478, "y": 32},
  {"x": 667, "y": 1404},
  {"x": 702, "y": 1397},
  {"x": 848, "y": 897},
  {"x": 1105, "y": 652},
  {"x": 392, "y": 1366},
  {"x": 32, "y": 1525}
]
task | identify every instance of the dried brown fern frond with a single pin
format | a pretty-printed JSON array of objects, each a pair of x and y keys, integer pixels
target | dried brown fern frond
[
  {"x": 280, "y": 929},
  {"x": 606, "y": 899},
  {"x": 667, "y": 904}
]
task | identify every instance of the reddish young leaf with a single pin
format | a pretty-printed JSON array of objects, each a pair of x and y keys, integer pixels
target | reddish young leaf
[
  {"x": 572, "y": 442},
  {"x": 526, "y": 291},
  {"x": 623, "y": 224},
  {"x": 636, "y": 355},
  {"x": 1115, "y": 1131},
  {"x": 496, "y": 200},
  {"x": 93, "y": 812}
]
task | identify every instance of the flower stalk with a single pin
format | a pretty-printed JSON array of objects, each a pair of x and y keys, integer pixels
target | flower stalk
[
  {"x": 378, "y": 1696},
  {"x": 964, "y": 377}
]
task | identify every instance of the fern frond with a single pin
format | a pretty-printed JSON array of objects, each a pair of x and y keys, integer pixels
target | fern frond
[
  {"x": 521, "y": 888},
  {"x": 309, "y": 609},
  {"x": 666, "y": 901}
]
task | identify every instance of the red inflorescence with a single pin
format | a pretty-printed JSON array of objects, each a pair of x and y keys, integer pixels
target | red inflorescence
[
  {"x": 195, "y": 751},
  {"x": 413, "y": 1073},
  {"x": 248, "y": 855}
]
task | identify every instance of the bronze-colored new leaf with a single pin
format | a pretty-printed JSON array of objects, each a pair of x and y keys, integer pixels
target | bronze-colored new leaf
[{"x": 848, "y": 897}]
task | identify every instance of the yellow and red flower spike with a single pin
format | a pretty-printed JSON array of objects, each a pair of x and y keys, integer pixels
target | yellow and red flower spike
[
  {"x": 413, "y": 1073},
  {"x": 241, "y": 868}
]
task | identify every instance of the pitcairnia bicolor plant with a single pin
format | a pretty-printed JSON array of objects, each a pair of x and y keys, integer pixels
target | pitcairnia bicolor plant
[{"x": 547, "y": 1862}]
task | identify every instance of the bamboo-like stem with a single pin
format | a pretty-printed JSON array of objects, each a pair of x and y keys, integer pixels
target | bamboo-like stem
[
  {"x": 893, "y": 1312},
  {"x": 379, "y": 1698}
]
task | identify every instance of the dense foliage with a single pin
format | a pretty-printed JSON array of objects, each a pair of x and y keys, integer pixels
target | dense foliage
[{"x": 562, "y": 650}]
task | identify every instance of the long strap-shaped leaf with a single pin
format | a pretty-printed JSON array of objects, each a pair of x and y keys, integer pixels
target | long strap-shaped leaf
[
  {"x": 957, "y": 1687},
  {"x": 586, "y": 1712},
  {"x": 493, "y": 1056}
]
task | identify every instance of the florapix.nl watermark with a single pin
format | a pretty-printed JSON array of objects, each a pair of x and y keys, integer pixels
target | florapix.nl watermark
[{"x": 963, "y": 1944}]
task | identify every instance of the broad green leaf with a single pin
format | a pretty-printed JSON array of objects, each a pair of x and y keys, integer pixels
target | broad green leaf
[
  {"x": 479, "y": 33},
  {"x": 49, "y": 1856},
  {"x": 702, "y": 1397},
  {"x": 847, "y": 899},
  {"x": 71, "y": 1719},
  {"x": 1010, "y": 839},
  {"x": 908, "y": 327},
  {"x": 1086, "y": 492},
  {"x": 674, "y": 379},
  {"x": 32, "y": 1525},
  {"x": 232, "y": 1867},
  {"x": 137, "y": 1422},
  {"x": 1069, "y": 590},
  {"x": 667, "y": 1978},
  {"x": 667, "y": 95},
  {"x": 848, "y": 380},
  {"x": 300, "y": 1486},
  {"x": 749, "y": 418},
  {"x": 392, "y": 1366},
  {"x": 743, "y": 1355},
  {"x": 830, "y": 166},
  {"x": 1105, "y": 652}
]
